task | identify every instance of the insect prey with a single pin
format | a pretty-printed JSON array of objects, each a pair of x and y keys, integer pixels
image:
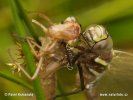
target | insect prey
[{"x": 51, "y": 54}]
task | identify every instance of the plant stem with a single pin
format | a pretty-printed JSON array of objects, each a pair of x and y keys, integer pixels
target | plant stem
[
  {"x": 15, "y": 80},
  {"x": 26, "y": 20},
  {"x": 31, "y": 65}
]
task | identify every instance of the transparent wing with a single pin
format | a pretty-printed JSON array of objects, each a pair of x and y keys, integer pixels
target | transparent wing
[{"x": 119, "y": 78}]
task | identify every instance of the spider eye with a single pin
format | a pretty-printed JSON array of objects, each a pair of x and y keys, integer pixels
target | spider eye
[
  {"x": 62, "y": 22},
  {"x": 80, "y": 25},
  {"x": 70, "y": 19}
]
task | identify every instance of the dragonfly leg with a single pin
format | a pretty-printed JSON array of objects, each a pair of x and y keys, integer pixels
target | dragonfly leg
[
  {"x": 101, "y": 61},
  {"x": 69, "y": 55}
]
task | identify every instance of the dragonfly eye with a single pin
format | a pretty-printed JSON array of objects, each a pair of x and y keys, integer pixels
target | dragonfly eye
[{"x": 95, "y": 33}]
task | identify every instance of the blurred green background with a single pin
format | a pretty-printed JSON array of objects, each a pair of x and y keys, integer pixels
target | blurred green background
[{"x": 115, "y": 15}]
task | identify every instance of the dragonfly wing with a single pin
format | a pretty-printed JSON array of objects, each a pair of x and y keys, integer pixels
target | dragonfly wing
[{"x": 119, "y": 77}]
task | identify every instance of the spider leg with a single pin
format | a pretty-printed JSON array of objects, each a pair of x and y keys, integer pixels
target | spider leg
[
  {"x": 40, "y": 25},
  {"x": 41, "y": 58},
  {"x": 42, "y": 49},
  {"x": 48, "y": 48},
  {"x": 82, "y": 86},
  {"x": 24, "y": 71},
  {"x": 42, "y": 15},
  {"x": 31, "y": 43},
  {"x": 38, "y": 68},
  {"x": 40, "y": 55}
]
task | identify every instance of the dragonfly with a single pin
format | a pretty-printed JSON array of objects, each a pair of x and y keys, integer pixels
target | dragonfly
[{"x": 96, "y": 59}]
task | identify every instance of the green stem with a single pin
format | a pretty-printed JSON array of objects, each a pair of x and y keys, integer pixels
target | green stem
[
  {"x": 26, "y": 20},
  {"x": 15, "y": 80},
  {"x": 31, "y": 65}
]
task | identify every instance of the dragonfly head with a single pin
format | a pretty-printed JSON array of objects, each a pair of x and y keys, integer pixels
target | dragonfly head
[{"x": 98, "y": 39}]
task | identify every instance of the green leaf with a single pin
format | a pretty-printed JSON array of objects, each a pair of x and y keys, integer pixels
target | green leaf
[{"x": 108, "y": 11}]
